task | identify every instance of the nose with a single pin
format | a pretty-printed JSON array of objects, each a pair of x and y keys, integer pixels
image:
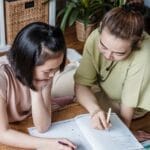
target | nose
[{"x": 108, "y": 55}]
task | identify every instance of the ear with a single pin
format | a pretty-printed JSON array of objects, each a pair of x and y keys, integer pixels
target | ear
[
  {"x": 137, "y": 44},
  {"x": 100, "y": 25}
]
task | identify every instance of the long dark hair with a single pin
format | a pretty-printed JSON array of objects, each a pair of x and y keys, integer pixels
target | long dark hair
[{"x": 33, "y": 45}]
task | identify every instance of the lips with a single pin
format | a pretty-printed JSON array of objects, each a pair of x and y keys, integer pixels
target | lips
[{"x": 42, "y": 80}]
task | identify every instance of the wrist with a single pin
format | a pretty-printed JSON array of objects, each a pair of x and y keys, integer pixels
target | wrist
[
  {"x": 41, "y": 143},
  {"x": 33, "y": 92},
  {"x": 95, "y": 112},
  {"x": 35, "y": 95}
]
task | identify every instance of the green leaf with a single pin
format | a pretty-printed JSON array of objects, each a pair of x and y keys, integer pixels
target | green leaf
[
  {"x": 66, "y": 15},
  {"x": 73, "y": 17},
  {"x": 60, "y": 13},
  {"x": 85, "y": 3}
]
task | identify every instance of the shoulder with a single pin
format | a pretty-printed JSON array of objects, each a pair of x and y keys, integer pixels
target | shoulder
[
  {"x": 142, "y": 55},
  {"x": 93, "y": 36},
  {"x": 146, "y": 43},
  {"x": 91, "y": 44},
  {"x": 139, "y": 59},
  {"x": 6, "y": 71},
  {"x": 4, "y": 77},
  {"x": 4, "y": 60}
]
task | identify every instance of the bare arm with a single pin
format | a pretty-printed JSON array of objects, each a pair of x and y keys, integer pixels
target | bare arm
[
  {"x": 88, "y": 100},
  {"x": 126, "y": 114},
  {"x": 40, "y": 112},
  {"x": 10, "y": 137},
  {"x": 41, "y": 107}
]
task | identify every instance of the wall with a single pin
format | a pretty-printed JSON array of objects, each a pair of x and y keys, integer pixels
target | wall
[{"x": 147, "y": 3}]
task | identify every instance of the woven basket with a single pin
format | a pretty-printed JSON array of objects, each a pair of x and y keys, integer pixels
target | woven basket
[
  {"x": 82, "y": 31},
  {"x": 22, "y": 12}
]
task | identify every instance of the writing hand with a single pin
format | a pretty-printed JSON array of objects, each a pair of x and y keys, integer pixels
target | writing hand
[{"x": 99, "y": 120}]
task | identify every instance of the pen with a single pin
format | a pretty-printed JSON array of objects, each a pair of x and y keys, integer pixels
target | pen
[
  {"x": 108, "y": 115},
  {"x": 62, "y": 143}
]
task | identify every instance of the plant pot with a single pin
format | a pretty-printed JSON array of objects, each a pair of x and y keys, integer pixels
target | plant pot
[{"x": 82, "y": 31}]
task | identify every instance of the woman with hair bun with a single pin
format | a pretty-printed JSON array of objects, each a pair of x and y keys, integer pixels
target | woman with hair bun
[{"x": 116, "y": 57}]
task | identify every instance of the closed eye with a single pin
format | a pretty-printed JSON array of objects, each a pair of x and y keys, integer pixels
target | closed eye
[
  {"x": 51, "y": 70},
  {"x": 119, "y": 53},
  {"x": 104, "y": 47}
]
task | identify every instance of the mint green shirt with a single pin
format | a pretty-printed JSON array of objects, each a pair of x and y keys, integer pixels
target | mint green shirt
[{"x": 127, "y": 81}]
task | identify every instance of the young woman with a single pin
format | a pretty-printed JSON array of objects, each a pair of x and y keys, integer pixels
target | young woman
[
  {"x": 116, "y": 57},
  {"x": 38, "y": 52}
]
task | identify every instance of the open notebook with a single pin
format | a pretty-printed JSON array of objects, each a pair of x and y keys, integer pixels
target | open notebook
[{"x": 80, "y": 132}]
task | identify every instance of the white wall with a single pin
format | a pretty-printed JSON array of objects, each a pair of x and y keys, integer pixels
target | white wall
[
  {"x": 3, "y": 45},
  {"x": 147, "y": 3}
]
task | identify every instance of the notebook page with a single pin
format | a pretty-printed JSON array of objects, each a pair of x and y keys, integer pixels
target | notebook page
[
  {"x": 66, "y": 129},
  {"x": 118, "y": 137}
]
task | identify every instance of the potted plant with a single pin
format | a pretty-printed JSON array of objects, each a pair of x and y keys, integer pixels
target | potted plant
[
  {"x": 84, "y": 13},
  {"x": 117, "y": 3}
]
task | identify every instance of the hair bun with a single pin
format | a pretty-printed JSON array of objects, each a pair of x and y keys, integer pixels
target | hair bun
[{"x": 136, "y": 7}]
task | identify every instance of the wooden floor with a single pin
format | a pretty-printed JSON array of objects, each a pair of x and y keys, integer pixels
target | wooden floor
[{"x": 71, "y": 40}]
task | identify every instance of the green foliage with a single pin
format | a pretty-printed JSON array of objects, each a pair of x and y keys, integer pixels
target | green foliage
[
  {"x": 118, "y": 2},
  {"x": 86, "y": 11}
]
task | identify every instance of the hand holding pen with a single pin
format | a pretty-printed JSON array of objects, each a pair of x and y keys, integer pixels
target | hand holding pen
[
  {"x": 100, "y": 120},
  {"x": 108, "y": 117}
]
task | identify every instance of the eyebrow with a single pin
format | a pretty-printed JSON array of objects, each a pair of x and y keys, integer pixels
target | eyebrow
[
  {"x": 103, "y": 44},
  {"x": 112, "y": 51},
  {"x": 51, "y": 69}
]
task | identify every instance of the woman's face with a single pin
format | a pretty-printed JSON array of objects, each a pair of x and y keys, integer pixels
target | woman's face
[
  {"x": 44, "y": 73},
  {"x": 112, "y": 47}
]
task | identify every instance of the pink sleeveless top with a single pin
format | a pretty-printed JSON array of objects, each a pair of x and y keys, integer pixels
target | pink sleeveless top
[
  {"x": 14, "y": 93},
  {"x": 17, "y": 96}
]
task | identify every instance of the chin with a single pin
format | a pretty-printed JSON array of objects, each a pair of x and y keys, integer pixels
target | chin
[
  {"x": 109, "y": 59},
  {"x": 41, "y": 85}
]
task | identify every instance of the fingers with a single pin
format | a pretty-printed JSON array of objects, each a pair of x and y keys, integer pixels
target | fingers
[
  {"x": 142, "y": 135},
  {"x": 96, "y": 123},
  {"x": 66, "y": 145},
  {"x": 69, "y": 143},
  {"x": 99, "y": 121}
]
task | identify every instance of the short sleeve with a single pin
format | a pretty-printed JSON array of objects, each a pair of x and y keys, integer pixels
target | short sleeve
[
  {"x": 86, "y": 73},
  {"x": 132, "y": 86},
  {"x": 136, "y": 88}
]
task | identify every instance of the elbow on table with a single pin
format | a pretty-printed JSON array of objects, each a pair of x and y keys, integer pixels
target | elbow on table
[
  {"x": 4, "y": 134},
  {"x": 43, "y": 128}
]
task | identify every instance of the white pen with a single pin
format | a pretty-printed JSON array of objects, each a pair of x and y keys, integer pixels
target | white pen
[{"x": 108, "y": 115}]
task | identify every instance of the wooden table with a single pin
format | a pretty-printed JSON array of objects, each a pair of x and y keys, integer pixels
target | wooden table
[
  {"x": 69, "y": 112},
  {"x": 65, "y": 113}
]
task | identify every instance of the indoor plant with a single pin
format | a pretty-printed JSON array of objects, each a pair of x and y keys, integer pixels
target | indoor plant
[{"x": 86, "y": 13}]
